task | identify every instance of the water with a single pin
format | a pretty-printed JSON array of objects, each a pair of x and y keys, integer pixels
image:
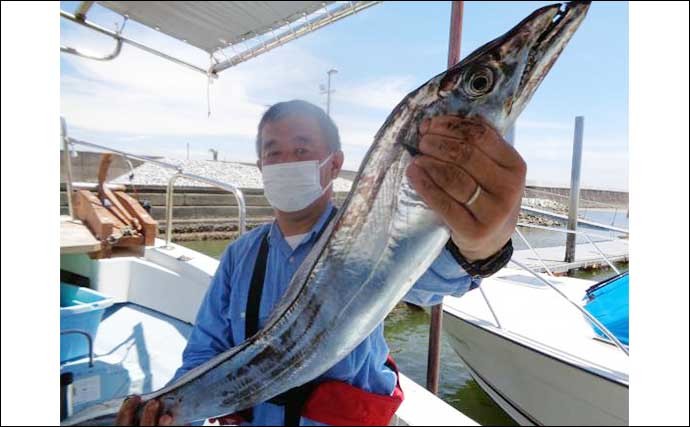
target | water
[
  {"x": 615, "y": 217},
  {"x": 407, "y": 334},
  {"x": 212, "y": 248}
]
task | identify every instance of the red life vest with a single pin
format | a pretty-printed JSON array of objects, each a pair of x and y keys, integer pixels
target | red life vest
[
  {"x": 337, "y": 403},
  {"x": 340, "y": 404}
]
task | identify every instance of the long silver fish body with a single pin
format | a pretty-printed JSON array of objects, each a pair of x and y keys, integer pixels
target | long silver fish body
[{"x": 382, "y": 240}]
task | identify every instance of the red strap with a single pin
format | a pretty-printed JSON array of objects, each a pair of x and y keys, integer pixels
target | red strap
[{"x": 340, "y": 404}]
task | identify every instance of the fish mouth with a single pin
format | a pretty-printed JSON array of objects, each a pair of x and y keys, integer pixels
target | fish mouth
[{"x": 551, "y": 28}]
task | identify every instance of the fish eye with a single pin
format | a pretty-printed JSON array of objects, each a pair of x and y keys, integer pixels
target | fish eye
[{"x": 478, "y": 82}]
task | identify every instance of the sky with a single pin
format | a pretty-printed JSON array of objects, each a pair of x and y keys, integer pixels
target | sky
[{"x": 147, "y": 105}]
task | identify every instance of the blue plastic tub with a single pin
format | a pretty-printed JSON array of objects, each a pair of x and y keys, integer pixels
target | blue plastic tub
[
  {"x": 608, "y": 302},
  {"x": 81, "y": 309}
]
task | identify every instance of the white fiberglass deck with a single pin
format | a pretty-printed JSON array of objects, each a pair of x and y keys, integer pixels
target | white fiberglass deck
[{"x": 136, "y": 350}]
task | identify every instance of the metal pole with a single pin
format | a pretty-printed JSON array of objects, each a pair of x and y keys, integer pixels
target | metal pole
[
  {"x": 433, "y": 368},
  {"x": 329, "y": 91},
  {"x": 574, "y": 189},
  {"x": 117, "y": 36},
  {"x": 89, "y": 339},
  {"x": 534, "y": 251},
  {"x": 83, "y": 9},
  {"x": 239, "y": 196},
  {"x": 126, "y": 155},
  {"x": 308, "y": 26},
  {"x": 169, "y": 205},
  {"x": 328, "y": 96},
  {"x": 602, "y": 254},
  {"x": 68, "y": 166}
]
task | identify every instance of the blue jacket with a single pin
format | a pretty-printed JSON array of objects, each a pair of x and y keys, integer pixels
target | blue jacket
[{"x": 220, "y": 322}]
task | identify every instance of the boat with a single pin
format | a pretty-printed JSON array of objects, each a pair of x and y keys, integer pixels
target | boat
[
  {"x": 542, "y": 346},
  {"x": 153, "y": 300},
  {"x": 129, "y": 298}
]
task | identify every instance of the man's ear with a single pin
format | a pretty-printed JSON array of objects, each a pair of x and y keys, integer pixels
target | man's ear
[{"x": 338, "y": 159}]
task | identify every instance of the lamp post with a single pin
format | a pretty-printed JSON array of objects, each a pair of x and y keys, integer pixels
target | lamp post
[{"x": 328, "y": 91}]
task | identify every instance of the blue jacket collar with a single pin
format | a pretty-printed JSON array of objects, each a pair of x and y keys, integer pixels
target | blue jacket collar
[{"x": 275, "y": 235}]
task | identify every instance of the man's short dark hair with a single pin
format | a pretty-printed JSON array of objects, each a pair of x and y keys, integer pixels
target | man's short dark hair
[{"x": 304, "y": 109}]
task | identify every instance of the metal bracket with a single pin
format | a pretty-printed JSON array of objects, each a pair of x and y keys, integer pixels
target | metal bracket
[
  {"x": 88, "y": 338},
  {"x": 123, "y": 39},
  {"x": 81, "y": 18}
]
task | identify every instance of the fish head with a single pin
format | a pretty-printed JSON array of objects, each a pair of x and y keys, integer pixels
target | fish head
[{"x": 497, "y": 80}]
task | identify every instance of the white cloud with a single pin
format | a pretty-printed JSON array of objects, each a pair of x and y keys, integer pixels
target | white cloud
[
  {"x": 549, "y": 161},
  {"x": 140, "y": 98},
  {"x": 382, "y": 93},
  {"x": 142, "y": 94}
]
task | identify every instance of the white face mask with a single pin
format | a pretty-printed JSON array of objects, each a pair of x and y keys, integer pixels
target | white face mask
[{"x": 291, "y": 187}]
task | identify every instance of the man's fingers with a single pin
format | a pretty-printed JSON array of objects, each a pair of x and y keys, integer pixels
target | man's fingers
[
  {"x": 459, "y": 185},
  {"x": 438, "y": 200},
  {"x": 126, "y": 415},
  {"x": 489, "y": 174},
  {"x": 150, "y": 415},
  {"x": 165, "y": 420},
  {"x": 475, "y": 130}
]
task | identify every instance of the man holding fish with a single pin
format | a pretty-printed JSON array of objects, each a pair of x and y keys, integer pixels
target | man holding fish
[
  {"x": 291, "y": 329},
  {"x": 465, "y": 171}
]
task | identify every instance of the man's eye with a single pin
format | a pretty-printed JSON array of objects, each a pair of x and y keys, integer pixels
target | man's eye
[{"x": 301, "y": 151}]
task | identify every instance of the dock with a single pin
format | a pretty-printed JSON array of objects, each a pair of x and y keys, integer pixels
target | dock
[{"x": 586, "y": 255}]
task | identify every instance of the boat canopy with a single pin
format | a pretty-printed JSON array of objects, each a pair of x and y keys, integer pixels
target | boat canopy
[{"x": 247, "y": 28}]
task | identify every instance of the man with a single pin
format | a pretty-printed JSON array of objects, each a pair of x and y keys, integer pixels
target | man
[{"x": 466, "y": 172}]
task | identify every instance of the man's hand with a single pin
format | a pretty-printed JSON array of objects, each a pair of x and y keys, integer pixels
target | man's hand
[
  {"x": 151, "y": 415},
  {"x": 473, "y": 179}
]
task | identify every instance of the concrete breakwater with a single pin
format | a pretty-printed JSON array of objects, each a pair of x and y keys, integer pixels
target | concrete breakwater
[
  {"x": 206, "y": 213},
  {"x": 589, "y": 198},
  {"x": 201, "y": 213}
]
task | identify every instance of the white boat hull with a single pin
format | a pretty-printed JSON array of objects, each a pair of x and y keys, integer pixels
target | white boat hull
[{"x": 537, "y": 382}]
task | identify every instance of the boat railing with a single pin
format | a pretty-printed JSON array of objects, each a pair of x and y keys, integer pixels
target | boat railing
[
  {"x": 227, "y": 187},
  {"x": 587, "y": 315},
  {"x": 69, "y": 143},
  {"x": 80, "y": 18},
  {"x": 548, "y": 283}
]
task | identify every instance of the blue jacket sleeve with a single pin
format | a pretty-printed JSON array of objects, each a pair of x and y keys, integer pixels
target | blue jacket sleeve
[
  {"x": 212, "y": 334},
  {"x": 444, "y": 277}
]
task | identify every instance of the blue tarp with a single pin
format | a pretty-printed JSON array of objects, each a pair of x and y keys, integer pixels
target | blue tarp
[{"x": 608, "y": 301}]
